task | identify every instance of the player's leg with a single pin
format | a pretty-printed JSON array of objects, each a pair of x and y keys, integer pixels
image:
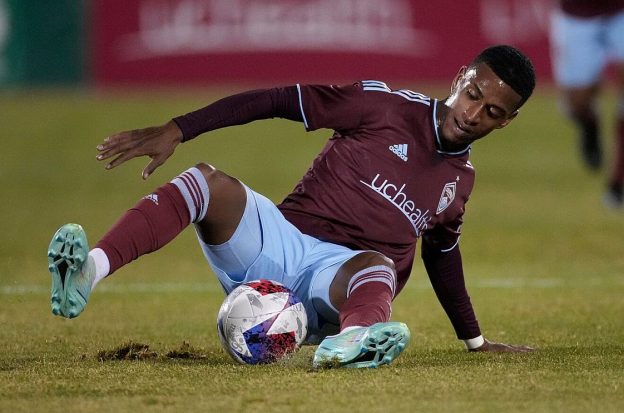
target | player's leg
[
  {"x": 579, "y": 57},
  {"x": 201, "y": 195},
  {"x": 580, "y": 106},
  {"x": 362, "y": 292},
  {"x": 614, "y": 196}
]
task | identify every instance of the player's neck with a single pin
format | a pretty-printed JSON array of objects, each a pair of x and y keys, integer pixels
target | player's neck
[{"x": 441, "y": 112}]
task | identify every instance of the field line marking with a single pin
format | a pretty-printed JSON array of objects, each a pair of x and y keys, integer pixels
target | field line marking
[
  {"x": 23, "y": 289},
  {"x": 413, "y": 284}
]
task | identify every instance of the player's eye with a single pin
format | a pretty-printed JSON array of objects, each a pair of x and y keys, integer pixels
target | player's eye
[
  {"x": 472, "y": 94},
  {"x": 494, "y": 113}
]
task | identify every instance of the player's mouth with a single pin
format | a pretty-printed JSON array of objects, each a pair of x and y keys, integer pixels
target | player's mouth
[{"x": 461, "y": 129}]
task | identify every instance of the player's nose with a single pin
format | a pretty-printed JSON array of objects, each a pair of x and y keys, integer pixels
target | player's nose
[{"x": 470, "y": 116}]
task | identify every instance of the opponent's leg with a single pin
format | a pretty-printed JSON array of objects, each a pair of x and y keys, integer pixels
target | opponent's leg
[
  {"x": 156, "y": 220},
  {"x": 580, "y": 105},
  {"x": 614, "y": 197},
  {"x": 362, "y": 291},
  {"x": 579, "y": 57}
]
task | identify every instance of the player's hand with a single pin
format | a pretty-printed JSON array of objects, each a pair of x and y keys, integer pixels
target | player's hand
[
  {"x": 492, "y": 347},
  {"x": 157, "y": 142}
]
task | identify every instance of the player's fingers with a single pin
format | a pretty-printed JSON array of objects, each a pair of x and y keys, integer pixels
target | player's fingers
[
  {"x": 106, "y": 154},
  {"x": 109, "y": 152},
  {"x": 121, "y": 159},
  {"x": 120, "y": 142},
  {"x": 510, "y": 348},
  {"x": 110, "y": 141},
  {"x": 151, "y": 167},
  {"x": 116, "y": 146}
]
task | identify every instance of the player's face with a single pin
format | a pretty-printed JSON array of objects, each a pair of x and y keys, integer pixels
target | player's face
[{"x": 479, "y": 103}]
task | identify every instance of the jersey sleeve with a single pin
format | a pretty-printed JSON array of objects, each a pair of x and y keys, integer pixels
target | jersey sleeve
[
  {"x": 442, "y": 258},
  {"x": 446, "y": 274},
  {"x": 444, "y": 237},
  {"x": 240, "y": 109},
  {"x": 332, "y": 107}
]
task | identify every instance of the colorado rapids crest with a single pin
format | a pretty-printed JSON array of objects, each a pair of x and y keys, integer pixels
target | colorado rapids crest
[{"x": 448, "y": 195}]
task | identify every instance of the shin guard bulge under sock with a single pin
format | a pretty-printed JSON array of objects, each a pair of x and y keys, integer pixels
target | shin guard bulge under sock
[
  {"x": 156, "y": 219},
  {"x": 369, "y": 297}
]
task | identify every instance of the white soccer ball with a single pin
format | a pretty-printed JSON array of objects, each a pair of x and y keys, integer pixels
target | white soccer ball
[{"x": 261, "y": 321}]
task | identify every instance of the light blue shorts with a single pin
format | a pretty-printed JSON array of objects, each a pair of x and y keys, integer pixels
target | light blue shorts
[
  {"x": 266, "y": 245},
  {"x": 582, "y": 48}
]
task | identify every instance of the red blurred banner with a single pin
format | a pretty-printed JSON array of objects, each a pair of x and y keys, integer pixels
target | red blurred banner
[{"x": 176, "y": 42}]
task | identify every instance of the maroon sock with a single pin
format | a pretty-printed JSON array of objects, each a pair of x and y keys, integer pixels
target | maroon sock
[
  {"x": 617, "y": 174},
  {"x": 369, "y": 298},
  {"x": 157, "y": 219}
]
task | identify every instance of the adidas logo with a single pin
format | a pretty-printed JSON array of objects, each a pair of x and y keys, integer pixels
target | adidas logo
[
  {"x": 152, "y": 197},
  {"x": 399, "y": 150}
]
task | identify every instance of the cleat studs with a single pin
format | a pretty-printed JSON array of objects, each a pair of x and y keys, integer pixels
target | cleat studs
[
  {"x": 51, "y": 267},
  {"x": 72, "y": 302},
  {"x": 51, "y": 253},
  {"x": 58, "y": 238},
  {"x": 56, "y": 311}
]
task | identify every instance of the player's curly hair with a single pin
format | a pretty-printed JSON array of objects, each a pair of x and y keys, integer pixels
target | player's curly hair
[{"x": 512, "y": 66}]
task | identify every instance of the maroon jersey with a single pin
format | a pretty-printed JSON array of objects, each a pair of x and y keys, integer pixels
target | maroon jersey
[
  {"x": 591, "y": 8},
  {"x": 381, "y": 181}
]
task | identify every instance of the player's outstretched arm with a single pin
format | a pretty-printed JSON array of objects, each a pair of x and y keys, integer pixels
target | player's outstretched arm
[
  {"x": 157, "y": 142},
  {"x": 492, "y": 347}
]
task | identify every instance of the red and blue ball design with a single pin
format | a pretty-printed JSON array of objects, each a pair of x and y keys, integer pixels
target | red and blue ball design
[{"x": 261, "y": 322}]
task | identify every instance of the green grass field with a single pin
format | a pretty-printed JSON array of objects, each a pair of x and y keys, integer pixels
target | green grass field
[{"x": 544, "y": 263}]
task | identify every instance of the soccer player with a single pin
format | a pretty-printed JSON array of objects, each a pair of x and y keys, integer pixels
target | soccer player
[
  {"x": 395, "y": 170},
  {"x": 586, "y": 35}
]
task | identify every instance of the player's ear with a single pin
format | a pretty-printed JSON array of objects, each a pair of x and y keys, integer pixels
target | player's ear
[
  {"x": 509, "y": 119},
  {"x": 458, "y": 77}
]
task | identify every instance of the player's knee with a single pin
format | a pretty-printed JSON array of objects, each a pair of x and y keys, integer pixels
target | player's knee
[
  {"x": 370, "y": 259},
  {"x": 223, "y": 188},
  {"x": 358, "y": 266},
  {"x": 207, "y": 170},
  {"x": 216, "y": 179}
]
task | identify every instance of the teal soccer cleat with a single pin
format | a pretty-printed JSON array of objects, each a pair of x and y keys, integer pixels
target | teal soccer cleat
[
  {"x": 363, "y": 346},
  {"x": 72, "y": 270}
]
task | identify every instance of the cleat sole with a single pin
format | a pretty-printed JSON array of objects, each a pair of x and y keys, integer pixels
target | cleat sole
[{"x": 67, "y": 253}]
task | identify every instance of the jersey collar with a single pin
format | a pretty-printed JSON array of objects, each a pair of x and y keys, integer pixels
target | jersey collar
[{"x": 437, "y": 135}]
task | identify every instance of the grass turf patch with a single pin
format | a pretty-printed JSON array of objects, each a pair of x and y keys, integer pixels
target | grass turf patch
[{"x": 543, "y": 263}]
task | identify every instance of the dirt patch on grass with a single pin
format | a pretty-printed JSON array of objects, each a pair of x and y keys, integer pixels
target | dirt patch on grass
[
  {"x": 140, "y": 351},
  {"x": 128, "y": 351},
  {"x": 332, "y": 363},
  {"x": 186, "y": 351}
]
